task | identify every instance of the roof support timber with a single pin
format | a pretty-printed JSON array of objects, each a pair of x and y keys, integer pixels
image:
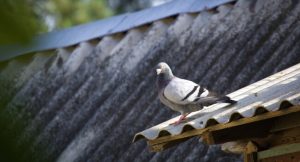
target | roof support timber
[
  {"x": 163, "y": 146},
  {"x": 250, "y": 154},
  {"x": 286, "y": 122},
  {"x": 208, "y": 137},
  {"x": 263, "y": 123},
  {"x": 279, "y": 150},
  {"x": 283, "y": 137},
  {"x": 258, "y": 129}
]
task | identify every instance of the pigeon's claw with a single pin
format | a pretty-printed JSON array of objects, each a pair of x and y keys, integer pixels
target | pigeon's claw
[
  {"x": 175, "y": 123},
  {"x": 182, "y": 117}
]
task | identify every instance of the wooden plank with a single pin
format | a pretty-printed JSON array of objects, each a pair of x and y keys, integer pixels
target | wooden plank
[
  {"x": 285, "y": 137},
  {"x": 292, "y": 157},
  {"x": 208, "y": 137},
  {"x": 250, "y": 153},
  {"x": 259, "y": 129},
  {"x": 286, "y": 122},
  {"x": 279, "y": 150},
  {"x": 242, "y": 121},
  {"x": 163, "y": 146}
]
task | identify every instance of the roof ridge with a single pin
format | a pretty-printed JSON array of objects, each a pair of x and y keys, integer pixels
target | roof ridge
[{"x": 120, "y": 23}]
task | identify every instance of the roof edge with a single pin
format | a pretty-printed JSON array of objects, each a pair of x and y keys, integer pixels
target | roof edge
[{"x": 120, "y": 23}]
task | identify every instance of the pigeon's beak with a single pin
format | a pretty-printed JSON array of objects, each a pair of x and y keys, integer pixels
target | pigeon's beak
[{"x": 158, "y": 71}]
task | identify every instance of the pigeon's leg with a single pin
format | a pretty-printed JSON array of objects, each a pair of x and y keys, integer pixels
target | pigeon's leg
[{"x": 182, "y": 117}]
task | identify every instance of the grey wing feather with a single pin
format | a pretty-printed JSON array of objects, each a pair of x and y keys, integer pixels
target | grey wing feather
[
  {"x": 206, "y": 101},
  {"x": 181, "y": 91}
]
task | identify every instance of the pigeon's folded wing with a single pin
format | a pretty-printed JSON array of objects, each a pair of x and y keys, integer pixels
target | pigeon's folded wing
[
  {"x": 181, "y": 91},
  {"x": 206, "y": 101}
]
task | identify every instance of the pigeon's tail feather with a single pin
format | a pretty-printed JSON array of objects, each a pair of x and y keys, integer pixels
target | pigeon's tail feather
[{"x": 226, "y": 99}]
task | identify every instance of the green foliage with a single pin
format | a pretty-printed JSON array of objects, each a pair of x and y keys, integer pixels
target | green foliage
[
  {"x": 22, "y": 19},
  {"x": 18, "y": 21},
  {"x": 122, "y": 6},
  {"x": 69, "y": 12}
]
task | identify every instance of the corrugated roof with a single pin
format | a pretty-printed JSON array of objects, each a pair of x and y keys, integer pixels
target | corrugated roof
[
  {"x": 86, "y": 102},
  {"x": 269, "y": 94},
  {"x": 116, "y": 24}
]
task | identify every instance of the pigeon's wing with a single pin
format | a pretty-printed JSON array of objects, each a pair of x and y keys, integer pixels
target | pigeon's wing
[
  {"x": 181, "y": 91},
  {"x": 206, "y": 101}
]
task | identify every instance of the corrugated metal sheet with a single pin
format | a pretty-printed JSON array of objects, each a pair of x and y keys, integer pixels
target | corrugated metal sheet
[
  {"x": 97, "y": 29},
  {"x": 266, "y": 95},
  {"x": 86, "y": 102}
]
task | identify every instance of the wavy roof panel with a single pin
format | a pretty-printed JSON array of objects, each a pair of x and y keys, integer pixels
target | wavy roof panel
[{"x": 269, "y": 94}]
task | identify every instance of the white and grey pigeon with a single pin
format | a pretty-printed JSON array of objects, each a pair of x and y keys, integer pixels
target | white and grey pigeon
[{"x": 183, "y": 95}]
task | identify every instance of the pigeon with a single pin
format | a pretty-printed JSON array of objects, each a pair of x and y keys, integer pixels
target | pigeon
[{"x": 183, "y": 95}]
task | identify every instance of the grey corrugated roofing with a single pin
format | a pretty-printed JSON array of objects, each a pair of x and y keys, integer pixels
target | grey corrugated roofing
[
  {"x": 97, "y": 29},
  {"x": 264, "y": 96},
  {"x": 86, "y": 102}
]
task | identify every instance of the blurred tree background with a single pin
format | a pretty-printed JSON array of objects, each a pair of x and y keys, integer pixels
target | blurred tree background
[
  {"x": 121, "y": 6},
  {"x": 18, "y": 21},
  {"x": 21, "y": 19},
  {"x": 66, "y": 13}
]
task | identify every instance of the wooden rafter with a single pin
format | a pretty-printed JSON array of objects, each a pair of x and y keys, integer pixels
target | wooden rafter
[
  {"x": 209, "y": 133},
  {"x": 279, "y": 150}
]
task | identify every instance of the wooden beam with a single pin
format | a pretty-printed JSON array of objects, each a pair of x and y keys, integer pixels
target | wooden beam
[
  {"x": 286, "y": 122},
  {"x": 163, "y": 146},
  {"x": 285, "y": 137},
  {"x": 279, "y": 150},
  {"x": 254, "y": 130},
  {"x": 292, "y": 157},
  {"x": 258, "y": 129},
  {"x": 250, "y": 153},
  {"x": 243, "y": 121},
  {"x": 208, "y": 137}
]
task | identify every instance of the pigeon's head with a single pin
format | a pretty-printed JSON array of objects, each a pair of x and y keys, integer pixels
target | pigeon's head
[{"x": 163, "y": 68}]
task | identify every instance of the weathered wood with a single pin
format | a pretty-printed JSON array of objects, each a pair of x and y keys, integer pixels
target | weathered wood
[
  {"x": 258, "y": 129},
  {"x": 286, "y": 122},
  {"x": 292, "y": 157},
  {"x": 240, "y": 122},
  {"x": 285, "y": 137},
  {"x": 163, "y": 146},
  {"x": 208, "y": 137},
  {"x": 274, "y": 139},
  {"x": 279, "y": 150},
  {"x": 250, "y": 153}
]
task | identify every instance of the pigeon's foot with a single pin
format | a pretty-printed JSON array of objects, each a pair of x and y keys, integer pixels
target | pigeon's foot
[
  {"x": 176, "y": 122},
  {"x": 182, "y": 118}
]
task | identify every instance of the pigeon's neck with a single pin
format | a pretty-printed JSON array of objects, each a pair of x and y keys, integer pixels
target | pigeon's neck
[{"x": 163, "y": 80}]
